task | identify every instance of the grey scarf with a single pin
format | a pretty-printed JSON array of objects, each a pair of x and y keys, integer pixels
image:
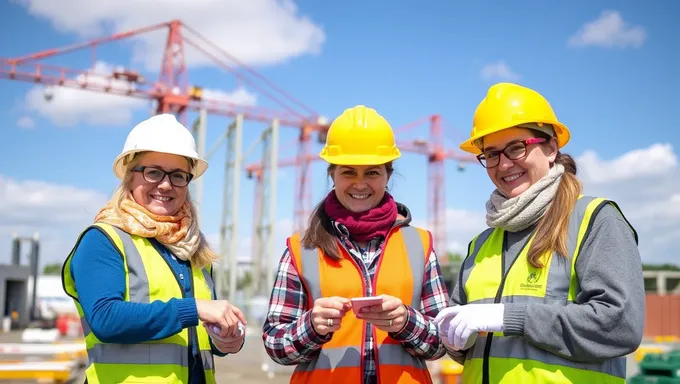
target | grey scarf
[{"x": 525, "y": 210}]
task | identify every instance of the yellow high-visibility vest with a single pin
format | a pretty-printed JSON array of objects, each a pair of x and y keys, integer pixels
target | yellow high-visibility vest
[
  {"x": 511, "y": 359},
  {"x": 148, "y": 278}
]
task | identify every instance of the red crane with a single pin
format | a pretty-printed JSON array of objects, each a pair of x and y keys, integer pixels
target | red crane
[
  {"x": 173, "y": 93},
  {"x": 436, "y": 154}
]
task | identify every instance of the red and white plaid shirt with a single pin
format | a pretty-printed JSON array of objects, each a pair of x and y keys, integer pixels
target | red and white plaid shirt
[{"x": 288, "y": 334}]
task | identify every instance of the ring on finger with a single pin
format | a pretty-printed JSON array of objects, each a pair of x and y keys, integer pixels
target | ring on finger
[{"x": 329, "y": 322}]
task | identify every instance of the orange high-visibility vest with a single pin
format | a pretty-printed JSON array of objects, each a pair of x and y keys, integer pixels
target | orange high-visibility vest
[{"x": 399, "y": 273}]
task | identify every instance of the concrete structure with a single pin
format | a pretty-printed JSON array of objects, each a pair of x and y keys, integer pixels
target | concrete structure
[
  {"x": 14, "y": 293},
  {"x": 664, "y": 281}
]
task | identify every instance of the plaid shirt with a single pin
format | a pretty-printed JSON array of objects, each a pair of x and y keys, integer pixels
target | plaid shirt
[{"x": 288, "y": 334}]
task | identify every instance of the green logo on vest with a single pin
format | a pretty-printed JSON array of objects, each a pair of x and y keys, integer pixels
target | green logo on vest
[
  {"x": 531, "y": 285},
  {"x": 532, "y": 278}
]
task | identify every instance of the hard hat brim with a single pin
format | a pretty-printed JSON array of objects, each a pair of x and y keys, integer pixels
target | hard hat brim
[
  {"x": 359, "y": 159},
  {"x": 561, "y": 132},
  {"x": 119, "y": 167}
]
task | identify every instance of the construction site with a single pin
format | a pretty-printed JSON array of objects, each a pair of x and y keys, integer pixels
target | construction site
[{"x": 253, "y": 148}]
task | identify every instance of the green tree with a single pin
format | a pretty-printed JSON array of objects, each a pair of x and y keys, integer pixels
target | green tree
[
  {"x": 243, "y": 282},
  {"x": 454, "y": 257},
  {"x": 660, "y": 267},
  {"x": 52, "y": 269}
]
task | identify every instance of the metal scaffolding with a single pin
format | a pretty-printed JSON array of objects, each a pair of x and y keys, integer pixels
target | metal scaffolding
[
  {"x": 226, "y": 270},
  {"x": 265, "y": 215}
]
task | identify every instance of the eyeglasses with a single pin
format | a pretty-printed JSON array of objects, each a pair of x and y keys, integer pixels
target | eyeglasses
[
  {"x": 513, "y": 151},
  {"x": 157, "y": 175}
]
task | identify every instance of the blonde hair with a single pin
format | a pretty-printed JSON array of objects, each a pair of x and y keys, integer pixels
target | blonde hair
[
  {"x": 552, "y": 229},
  {"x": 204, "y": 255}
]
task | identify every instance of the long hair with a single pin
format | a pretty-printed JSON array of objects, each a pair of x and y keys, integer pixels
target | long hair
[
  {"x": 319, "y": 233},
  {"x": 552, "y": 228},
  {"x": 204, "y": 255}
]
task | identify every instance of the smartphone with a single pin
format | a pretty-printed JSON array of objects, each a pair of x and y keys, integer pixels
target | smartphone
[
  {"x": 217, "y": 329},
  {"x": 362, "y": 302}
]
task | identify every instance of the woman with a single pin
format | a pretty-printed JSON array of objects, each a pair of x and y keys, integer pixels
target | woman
[
  {"x": 556, "y": 280},
  {"x": 141, "y": 275},
  {"x": 359, "y": 243}
]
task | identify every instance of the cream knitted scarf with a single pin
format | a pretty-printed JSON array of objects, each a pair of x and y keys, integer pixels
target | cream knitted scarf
[
  {"x": 179, "y": 233},
  {"x": 525, "y": 210}
]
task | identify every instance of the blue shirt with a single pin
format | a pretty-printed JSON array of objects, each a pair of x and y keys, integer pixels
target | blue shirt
[{"x": 99, "y": 276}]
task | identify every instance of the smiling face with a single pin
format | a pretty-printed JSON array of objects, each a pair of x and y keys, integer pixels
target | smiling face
[
  {"x": 512, "y": 177},
  {"x": 160, "y": 198},
  {"x": 360, "y": 187}
]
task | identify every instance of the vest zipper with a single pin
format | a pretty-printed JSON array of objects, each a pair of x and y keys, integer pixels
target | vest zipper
[
  {"x": 363, "y": 286},
  {"x": 364, "y": 282},
  {"x": 181, "y": 288},
  {"x": 374, "y": 285},
  {"x": 497, "y": 299}
]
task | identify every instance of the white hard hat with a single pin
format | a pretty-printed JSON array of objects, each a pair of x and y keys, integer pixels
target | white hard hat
[{"x": 160, "y": 133}]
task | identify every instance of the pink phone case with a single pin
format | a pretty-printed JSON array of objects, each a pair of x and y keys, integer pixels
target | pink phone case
[{"x": 362, "y": 302}]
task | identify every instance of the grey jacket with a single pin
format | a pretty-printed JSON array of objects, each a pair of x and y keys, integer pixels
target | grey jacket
[{"x": 609, "y": 320}]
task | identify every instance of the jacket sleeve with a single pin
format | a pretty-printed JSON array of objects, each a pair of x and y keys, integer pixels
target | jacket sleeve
[
  {"x": 99, "y": 276},
  {"x": 420, "y": 336},
  {"x": 288, "y": 335},
  {"x": 607, "y": 318}
]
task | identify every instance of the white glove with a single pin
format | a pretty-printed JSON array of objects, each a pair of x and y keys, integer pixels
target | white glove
[{"x": 458, "y": 325}]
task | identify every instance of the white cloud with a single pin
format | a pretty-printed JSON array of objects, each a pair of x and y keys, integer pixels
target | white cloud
[
  {"x": 257, "y": 32},
  {"x": 26, "y": 122},
  {"x": 658, "y": 159},
  {"x": 239, "y": 96},
  {"x": 56, "y": 212},
  {"x": 461, "y": 226},
  {"x": 645, "y": 183},
  {"x": 67, "y": 106},
  {"x": 499, "y": 70},
  {"x": 609, "y": 30},
  {"x": 32, "y": 202}
]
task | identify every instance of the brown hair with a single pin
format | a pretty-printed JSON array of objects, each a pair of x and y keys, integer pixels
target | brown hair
[
  {"x": 319, "y": 233},
  {"x": 551, "y": 231}
]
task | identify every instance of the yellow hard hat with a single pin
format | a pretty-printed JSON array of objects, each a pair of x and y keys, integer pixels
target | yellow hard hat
[
  {"x": 360, "y": 136},
  {"x": 508, "y": 105}
]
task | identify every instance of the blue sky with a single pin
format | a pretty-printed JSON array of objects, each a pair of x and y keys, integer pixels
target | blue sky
[{"x": 608, "y": 68}]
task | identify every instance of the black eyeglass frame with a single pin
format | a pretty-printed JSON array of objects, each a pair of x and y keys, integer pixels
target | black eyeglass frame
[
  {"x": 142, "y": 170},
  {"x": 532, "y": 140}
]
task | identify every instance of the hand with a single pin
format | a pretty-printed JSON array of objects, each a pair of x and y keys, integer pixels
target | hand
[
  {"x": 221, "y": 313},
  {"x": 390, "y": 316},
  {"x": 226, "y": 344},
  {"x": 328, "y": 312},
  {"x": 457, "y": 324}
]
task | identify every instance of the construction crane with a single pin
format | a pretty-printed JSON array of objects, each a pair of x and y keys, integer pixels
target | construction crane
[
  {"x": 265, "y": 188},
  {"x": 172, "y": 93}
]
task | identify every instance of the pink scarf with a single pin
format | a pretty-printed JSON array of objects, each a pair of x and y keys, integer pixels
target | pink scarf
[{"x": 363, "y": 226}]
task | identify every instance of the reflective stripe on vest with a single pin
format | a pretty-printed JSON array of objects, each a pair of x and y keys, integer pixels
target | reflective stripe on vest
[
  {"x": 513, "y": 359},
  {"x": 399, "y": 273},
  {"x": 128, "y": 361}
]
